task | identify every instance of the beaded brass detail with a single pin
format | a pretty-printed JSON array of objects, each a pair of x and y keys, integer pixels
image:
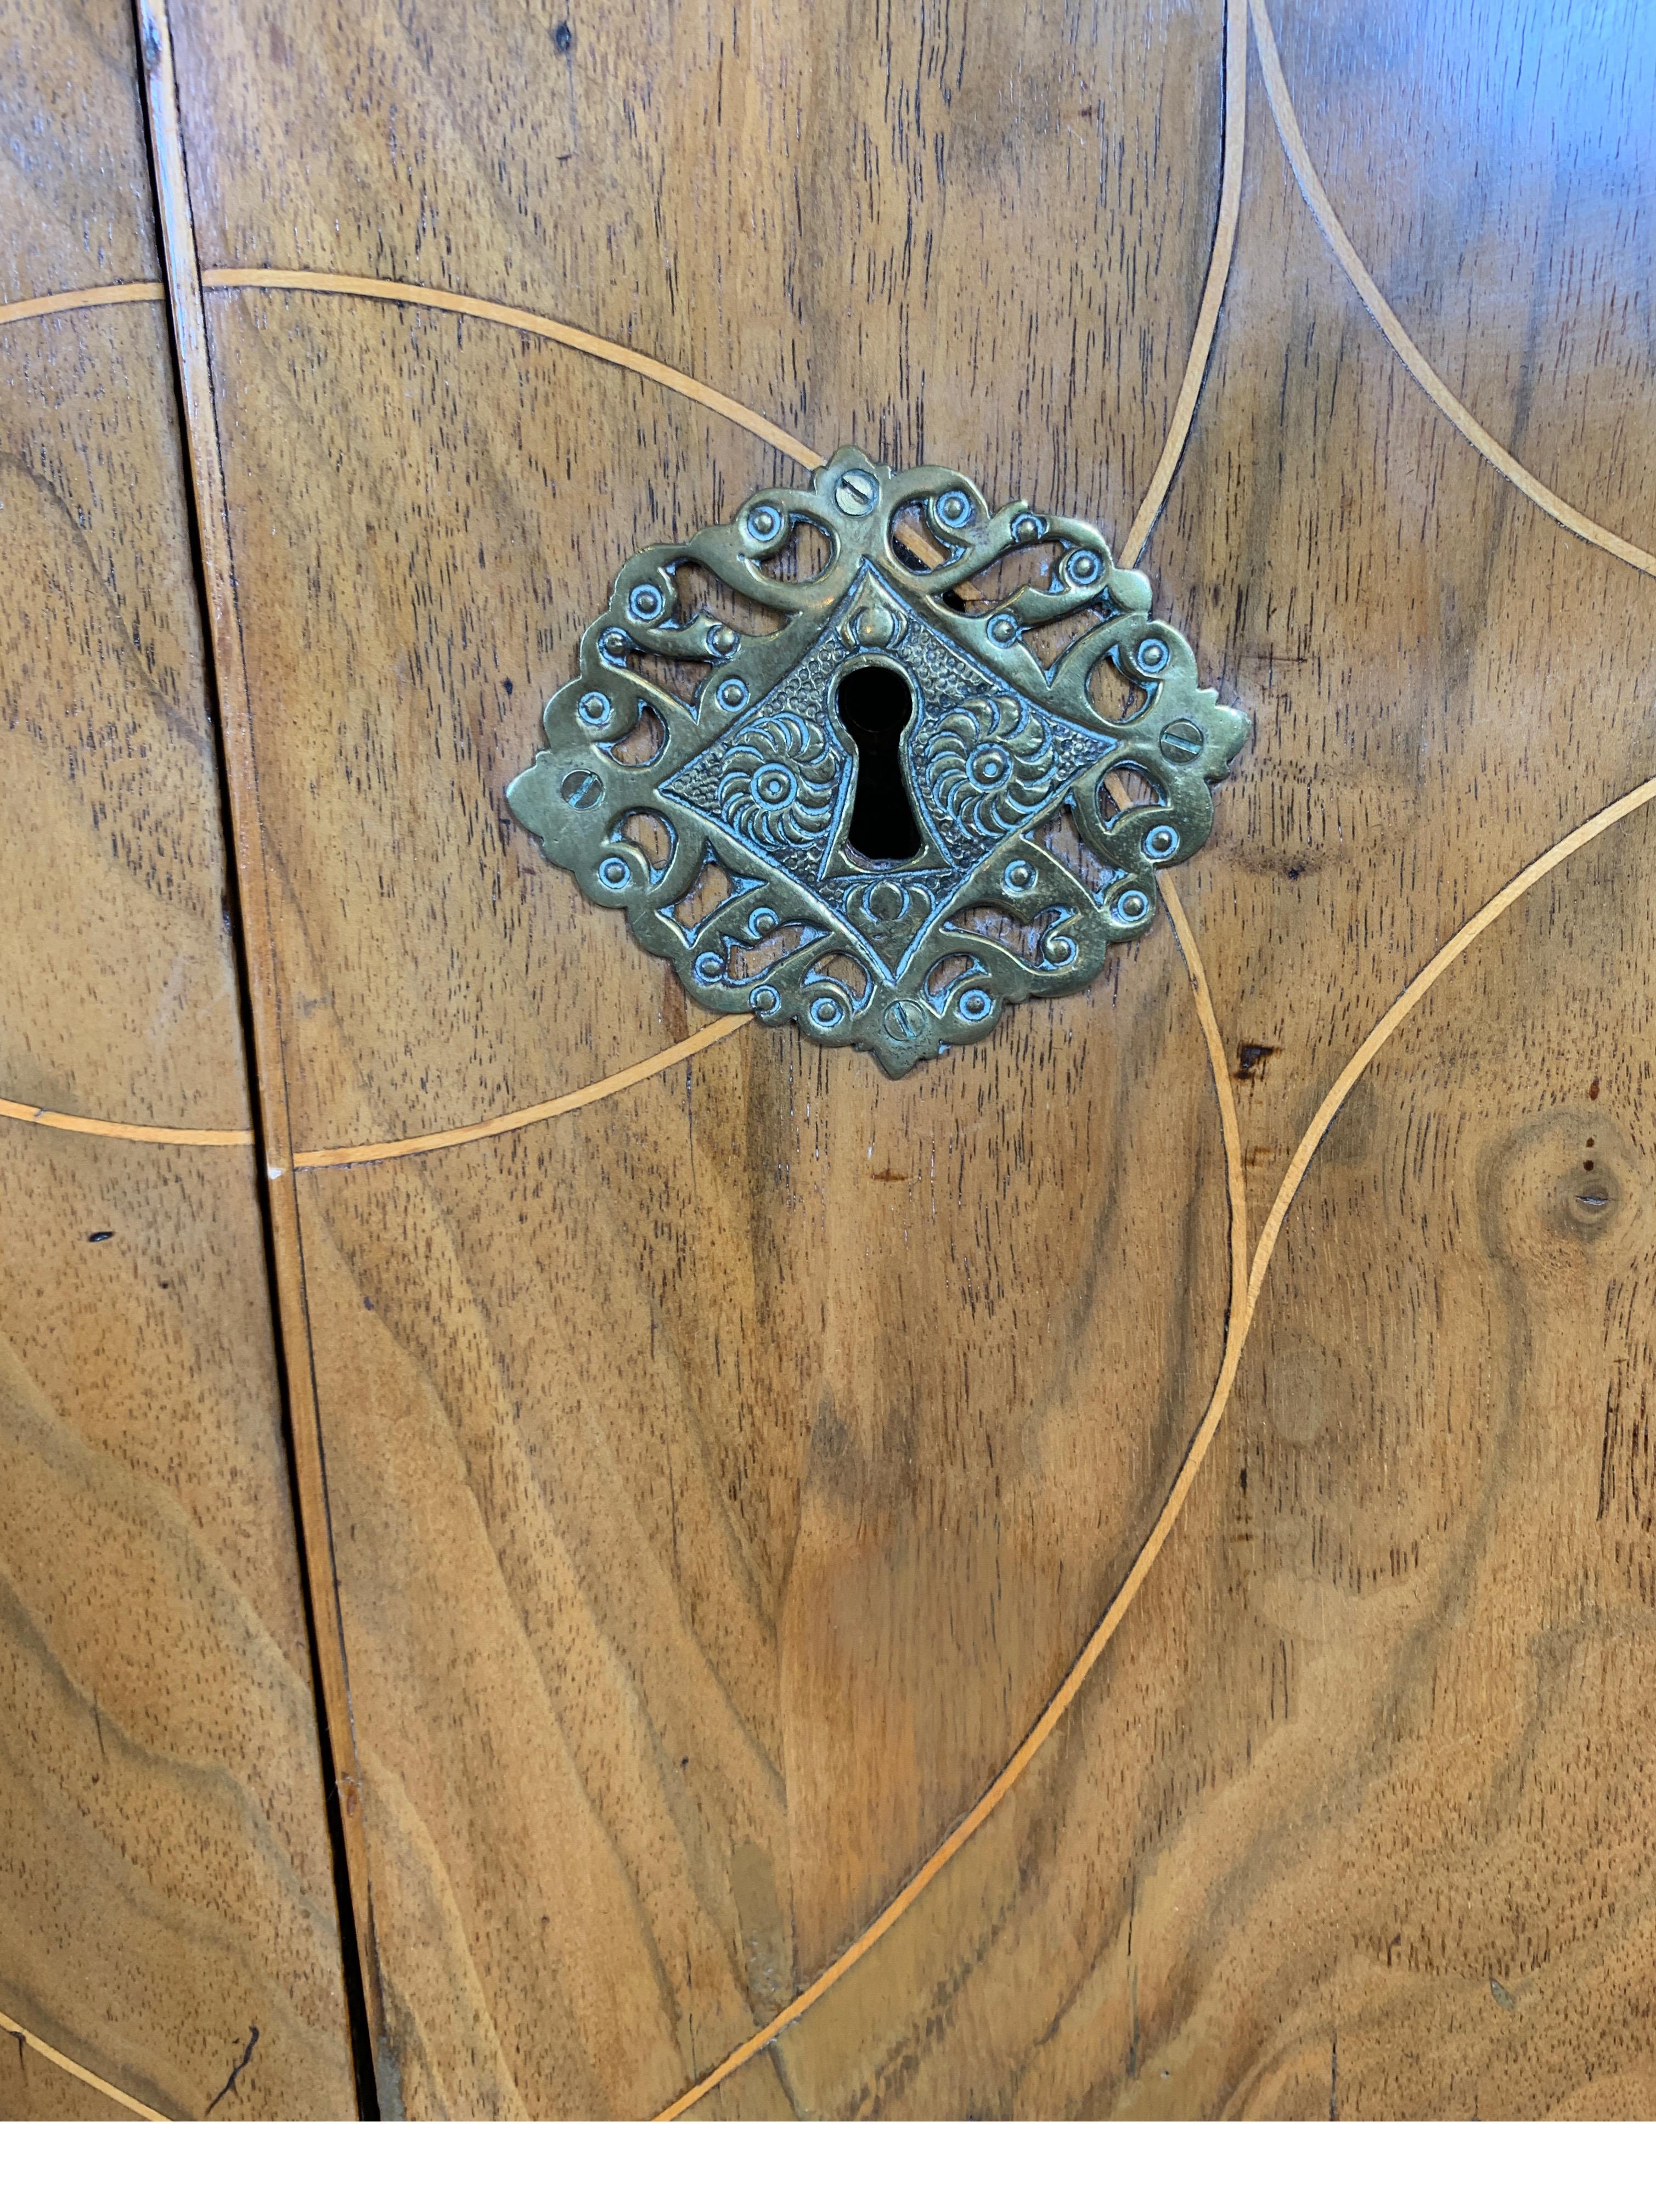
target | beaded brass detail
[{"x": 724, "y": 816}]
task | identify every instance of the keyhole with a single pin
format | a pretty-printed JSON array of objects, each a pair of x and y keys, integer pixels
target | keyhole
[{"x": 875, "y": 706}]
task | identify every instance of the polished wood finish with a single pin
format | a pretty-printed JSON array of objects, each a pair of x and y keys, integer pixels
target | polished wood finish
[
  {"x": 714, "y": 1576},
  {"x": 166, "y": 1880},
  {"x": 724, "y": 1476}
]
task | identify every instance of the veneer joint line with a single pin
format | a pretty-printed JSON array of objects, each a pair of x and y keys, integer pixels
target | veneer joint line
[{"x": 248, "y": 891}]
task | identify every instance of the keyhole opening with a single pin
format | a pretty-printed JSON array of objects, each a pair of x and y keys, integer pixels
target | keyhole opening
[{"x": 875, "y": 705}]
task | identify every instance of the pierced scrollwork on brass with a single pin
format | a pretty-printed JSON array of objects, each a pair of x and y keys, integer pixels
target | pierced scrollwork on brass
[{"x": 883, "y": 811}]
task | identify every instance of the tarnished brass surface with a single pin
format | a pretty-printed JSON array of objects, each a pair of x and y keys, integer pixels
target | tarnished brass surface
[{"x": 880, "y": 812}]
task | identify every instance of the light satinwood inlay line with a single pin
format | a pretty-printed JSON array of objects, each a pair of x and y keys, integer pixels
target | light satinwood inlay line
[
  {"x": 1242, "y": 1307},
  {"x": 1247, "y": 1283},
  {"x": 1293, "y": 145},
  {"x": 95, "y": 295},
  {"x": 61, "y": 2058},
  {"x": 515, "y": 319},
  {"x": 131, "y": 1133},
  {"x": 343, "y": 1155},
  {"x": 1233, "y": 148},
  {"x": 733, "y": 411}
]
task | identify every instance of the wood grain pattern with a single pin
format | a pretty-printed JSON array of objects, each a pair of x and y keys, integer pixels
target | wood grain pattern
[
  {"x": 165, "y": 1877},
  {"x": 867, "y": 225},
  {"x": 1381, "y": 1850},
  {"x": 724, "y": 1474},
  {"x": 793, "y": 1583},
  {"x": 42, "y": 2088}
]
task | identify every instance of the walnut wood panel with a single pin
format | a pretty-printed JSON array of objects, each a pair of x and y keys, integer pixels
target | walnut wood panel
[
  {"x": 1443, "y": 681},
  {"x": 166, "y": 1884},
  {"x": 427, "y": 515},
  {"x": 1353, "y": 1819},
  {"x": 722, "y": 1478},
  {"x": 35, "y": 2089},
  {"x": 719, "y": 1499},
  {"x": 945, "y": 231}
]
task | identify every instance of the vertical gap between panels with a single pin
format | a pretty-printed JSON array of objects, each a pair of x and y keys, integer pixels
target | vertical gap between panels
[{"x": 247, "y": 892}]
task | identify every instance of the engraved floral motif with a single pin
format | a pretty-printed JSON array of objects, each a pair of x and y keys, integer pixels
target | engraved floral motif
[
  {"x": 778, "y": 784},
  {"x": 989, "y": 765},
  {"x": 752, "y": 770}
]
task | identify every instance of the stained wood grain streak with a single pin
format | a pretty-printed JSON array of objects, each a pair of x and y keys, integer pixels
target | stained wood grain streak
[
  {"x": 1293, "y": 145},
  {"x": 206, "y": 474}
]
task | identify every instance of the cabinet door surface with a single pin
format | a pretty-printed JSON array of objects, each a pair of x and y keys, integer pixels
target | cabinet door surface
[
  {"x": 1110, "y": 1576},
  {"x": 166, "y": 1885}
]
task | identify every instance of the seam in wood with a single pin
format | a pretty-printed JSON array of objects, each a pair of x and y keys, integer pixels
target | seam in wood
[
  {"x": 260, "y": 985},
  {"x": 82, "y": 2073},
  {"x": 1293, "y": 145}
]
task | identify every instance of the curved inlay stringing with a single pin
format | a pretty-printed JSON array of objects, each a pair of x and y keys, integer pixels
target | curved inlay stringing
[
  {"x": 1246, "y": 1277},
  {"x": 1310, "y": 185}
]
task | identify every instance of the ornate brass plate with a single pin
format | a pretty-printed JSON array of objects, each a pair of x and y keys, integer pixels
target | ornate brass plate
[{"x": 879, "y": 804}]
